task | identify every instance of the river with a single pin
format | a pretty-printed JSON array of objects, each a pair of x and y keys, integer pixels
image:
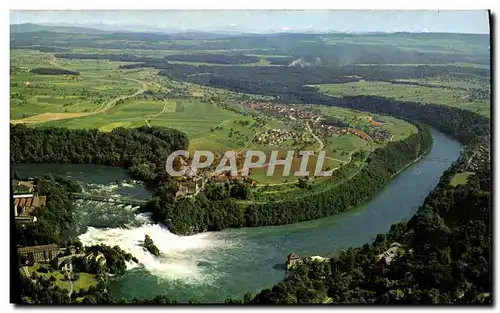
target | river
[{"x": 214, "y": 266}]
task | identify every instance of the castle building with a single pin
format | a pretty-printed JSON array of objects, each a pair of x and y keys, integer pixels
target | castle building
[{"x": 42, "y": 254}]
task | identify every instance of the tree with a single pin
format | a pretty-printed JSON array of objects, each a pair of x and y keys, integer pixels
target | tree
[
  {"x": 78, "y": 245},
  {"x": 239, "y": 191},
  {"x": 150, "y": 246},
  {"x": 302, "y": 183}
]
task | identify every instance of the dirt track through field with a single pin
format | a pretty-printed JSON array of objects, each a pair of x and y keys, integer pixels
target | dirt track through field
[
  {"x": 107, "y": 106},
  {"x": 46, "y": 117}
]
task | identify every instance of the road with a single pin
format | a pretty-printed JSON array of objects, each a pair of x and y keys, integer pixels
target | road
[
  {"x": 61, "y": 259},
  {"x": 321, "y": 144},
  {"x": 71, "y": 289},
  {"x": 157, "y": 114},
  {"x": 334, "y": 169},
  {"x": 111, "y": 104},
  {"x": 162, "y": 111},
  {"x": 62, "y": 116}
]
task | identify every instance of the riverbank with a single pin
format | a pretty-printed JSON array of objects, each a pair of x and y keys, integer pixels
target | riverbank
[
  {"x": 214, "y": 266},
  {"x": 214, "y": 213}
]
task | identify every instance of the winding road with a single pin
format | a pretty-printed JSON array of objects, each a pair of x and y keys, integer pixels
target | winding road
[
  {"x": 71, "y": 289},
  {"x": 112, "y": 103},
  {"x": 157, "y": 114},
  {"x": 321, "y": 144}
]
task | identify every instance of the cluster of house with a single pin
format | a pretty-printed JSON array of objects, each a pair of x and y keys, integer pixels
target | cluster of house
[
  {"x": 293, "y": 260},
  {"x": 337, "y": 131},
  {"x": 330, "y": 130},
  {"x": 390, "y": 254},
  {"x": 191, "y": 182},
  {"x": 190, "y": 186},
  {"x": 26, "y": 200},
  {"x": 379, "y": 134},
  {"x": 275, "y": 136},
  {"x": 194, "y": 180},
  {"x": 480, "y": 157},
  {"x": 283, "y": 111}
]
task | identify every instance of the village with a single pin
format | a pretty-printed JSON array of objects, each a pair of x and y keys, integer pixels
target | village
[
  {"x": 317, "y": 122},
  {"x": 480, "y": 157},
  {"x": 275, "y": 136},
  {"x": 193, "y": 181}
]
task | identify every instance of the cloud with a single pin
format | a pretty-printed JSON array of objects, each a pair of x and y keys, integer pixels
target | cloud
[{"x": 286, "y": 28}]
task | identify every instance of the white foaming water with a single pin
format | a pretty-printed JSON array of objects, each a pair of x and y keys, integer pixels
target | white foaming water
[
  {"x": 179, "y": 254},
  {"x": 99, "y": 187}
]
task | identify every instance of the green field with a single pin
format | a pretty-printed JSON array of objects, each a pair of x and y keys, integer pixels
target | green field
[
  {"x": 84, "y": 281},
  {"x": 399, "y": 128},
  {"x": 341, "y": 147},
  {"x": 452, "y": 82},
  {"x": 99, "y": 83},
  {"x": 230, "y": 134},
  {"x": 460, "y": 178},
  {"x": 444, "y": 96}
]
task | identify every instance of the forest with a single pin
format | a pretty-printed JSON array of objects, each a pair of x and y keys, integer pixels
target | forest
[
  {"x": 53, "y": 71},
  {"x": 214, "y": 58},
  {"x": 143, "y": 151},
  {"x": 281, "y": 81},
  {"x": 45, "y": 48},
  {"x": 110, "y": 57}
]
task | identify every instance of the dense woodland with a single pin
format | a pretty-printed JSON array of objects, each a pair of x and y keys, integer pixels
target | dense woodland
[
  {"x": 110, "y": 57},
  {"x": 53, "y": 71},
  {"x": 286, "y": 82},
  {"x": 143, "y": 151},
  {"x": 291, "y": 83},
  {"x": 214, "y": 58},
  {"x": 45, "y": 48}
]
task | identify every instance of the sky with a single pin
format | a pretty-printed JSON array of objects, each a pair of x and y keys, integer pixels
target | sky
[{"x": 268, "y": 21}]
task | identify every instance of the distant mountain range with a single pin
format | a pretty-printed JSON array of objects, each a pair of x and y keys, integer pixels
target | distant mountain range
[{"x": 110, "y": 28}]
